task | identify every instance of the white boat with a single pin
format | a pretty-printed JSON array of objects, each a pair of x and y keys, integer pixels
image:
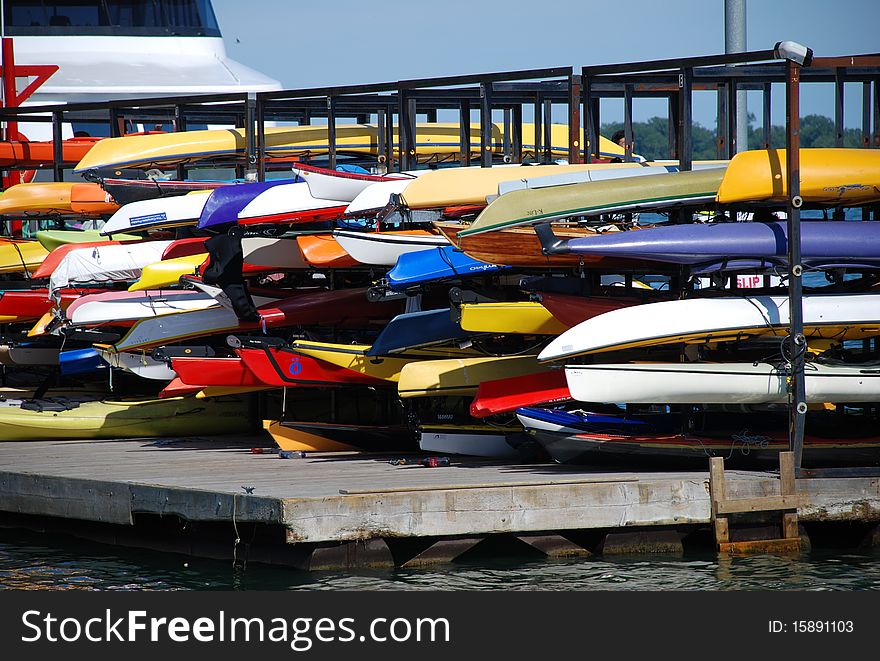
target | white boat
[
  {"x": 279, "y": 203},
  {"x": 142, "y": 215},
  {"x": 116, "y": 306},
  {"x": 700, "y": 320},
  {"x": 383, "y": 248},
  {"x": 335, "y": 185},
  {"x": 124, "y": 50},
  {"x": 475, "y": 444},
  {"x": 719, "y": 383},
  {"x": 139, "y": 363},
  {"x": 111, "y": 263},
  {"x": 375, "y": 197}
]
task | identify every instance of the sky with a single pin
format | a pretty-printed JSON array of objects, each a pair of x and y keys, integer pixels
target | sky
[{"x": 340, "y": 42}]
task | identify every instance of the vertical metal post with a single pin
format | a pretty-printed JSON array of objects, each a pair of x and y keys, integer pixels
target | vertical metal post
[
  {"x": 381, "y": 144},
  {"x": 538, "y": 128},
  {"x": 260, "y": 111},
  {"x": 331, "y": 132},
  {"x": 412, "y": 134},
  {"x": 486, "y": 124},
  {"x": 672, "y": 135},
  {"x": 505, "y": 137},
  {"x": 722, "y": 127},
  {"x": 402, "y": 129},
  {"x": 733, "y": 138},
  {"x": 574, "y": 119},
  {"x": 591, "y": 131},
  {"x": 548, "y": 131},
  {"x": 464, "y": 132},
  {"x": 115, "y": 123},
  {"x": 796, "y": 342},
  {"x": 865, "y": 142},
  {"x": 249, "y": 125},
  {"x": 57, "y": 146},
  {"x": 628, "y": 122},
  {"x": 389, "y": 136},
  {"x": 180, "y": 125},
  {"x": 684, "y": 146},
  {"x": 838, "y": 106},
  {"x": 516, "y": 134},
  {"x": 431, "y": 115},
  {"x": 768, "y": 98},
  {"x": 876, "y": 132}
]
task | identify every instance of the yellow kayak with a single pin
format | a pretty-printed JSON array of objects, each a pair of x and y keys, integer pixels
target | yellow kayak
[
  {"x": 94, "y": 419},
  {"x": 160, "y": 275},
  {"x": 55, "y": 197},
  {"x": 287, "y": 438},
  {"x": 828, "y": 176},
  {"x": 20, "y": 255},
  {"x": 461, "y": 376},
  {"x": 521, "y": 317},
  {"x": 353, "y": 357},
  {"x": 432, "y": 140}
]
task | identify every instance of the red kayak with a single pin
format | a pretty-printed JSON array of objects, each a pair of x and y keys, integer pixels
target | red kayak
[
  {"x": 185, "y": 248},
  {"x": 31, "y": 304},
  {"x": 506, "y": 395},
  {"x": 274, "y": 366},
  {"x": 24, "y": 155},
  {"x": 214, "y": 371},
  {"x": 296, "y": 217},
  {"x": 177, "y": 388}
]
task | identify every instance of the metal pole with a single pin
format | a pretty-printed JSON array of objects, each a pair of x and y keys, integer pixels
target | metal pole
[
  {"x": 57, "y": 146},
  {"x": 516, "y": 134},
  {"x": 331, "y": 132},
  {"x": 180, "y": 125},
  {"x": 412, "y": 134},
  {"x": 464, "y": 132},
  {"x": 250, "y": 122},
  {"x": 685, "y": 120},
  {"x": 261, "y": 139},
  {"x": 591, "y": 138},
  {"x": 574, "y": 119},
  {"x": 674, "y": 109},
  {"x": 538, "y": 125},
  {"x": 735, "y": 42},
  {"x": 768, "y": 97},
  {"x": 838, "y": 106},
  {"x": 723, "y": 127},
  {"x": 486, "y": 124},
  {"x": 628, "y": 121},
  {"x": 548, "y": 130},
  {"x": 796, "y": 342},
  {"x": 505, "y": 138}
]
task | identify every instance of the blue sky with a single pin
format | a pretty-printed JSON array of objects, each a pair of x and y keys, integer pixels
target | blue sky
[{"x": 337, "y": 42}]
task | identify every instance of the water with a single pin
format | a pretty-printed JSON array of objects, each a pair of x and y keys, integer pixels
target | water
[{"x": 34, "y": 561}]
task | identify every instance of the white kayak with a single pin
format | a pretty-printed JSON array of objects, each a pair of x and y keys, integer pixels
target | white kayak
[
  {"x": 173, "y": 211},
  {"x": 112, "y": 263},
  {"x": 475, "y": 444},
  {"x": 383, "y": 248},
  {"x": 140, "y": 363},
  {"x": 115, "y": 306},
  {"x": 337, "y": 185},
  {"x": 719, "y": 383},
  {"x": 700, "y": 320},
  {"x": 278, "y": 203},
  {"x": 375, "y": 197}
]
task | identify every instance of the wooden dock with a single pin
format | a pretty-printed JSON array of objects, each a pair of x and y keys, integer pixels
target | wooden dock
[{"x": 329, "y": 499}]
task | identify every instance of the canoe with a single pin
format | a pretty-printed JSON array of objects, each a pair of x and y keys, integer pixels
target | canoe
[
  {"x": 828, "y": 176},
  {"x": 626, "y": 194},
  {"x": 185, "y": 247},
  {"x": 337, "y": 185},
  {"x": 20, "y": 255},
  {"x": 137, "y": 363},
  {"x": 167, "y": 272},
  {"x": 345, "y": 307},
  {"x": 454, "y": 186},
  {"x": 279, "y": 366},
  {"x": 159, "y": 212},
  {"x": 297, "y": 142},
  {"x": 106, "y": 263},
  {"x": 519, "y": 317},
  {"x": 416, "y": 329},
  {"x": 521, "y": 247},
  {"x": 822, "y": 242},
  {"x": 384, "y": 248},
  {"x": 19, "y": 305},
  {"x": 506, "y": 395},
  {"x": 27, "y": 155},
  {"x": 298, "y": 439},
  {"x": 322, "y": 251},
  {"x": 461, "y": 376},
  {"x": 336, "y": 437},
  {"x": 588, "y": 438},
  {"x": 126, "y": 419},
  {"x": 719, "y": 383},
  {"x": 54, "y": 258},
  {"x": 376, "y": 196},
  {"x": 54, "y": 198},
  {"x": 472, "y": 441},
  {"x": 52, "y": 239},
  {"x": 433, "y": 265},
  {"x": 699, "y": 320},
  {"x": 116, "y": 307},
  {"x": 289, "y": 203}
]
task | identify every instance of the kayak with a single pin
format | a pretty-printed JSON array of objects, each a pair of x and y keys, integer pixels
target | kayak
[{"x": 461, "y": 376}]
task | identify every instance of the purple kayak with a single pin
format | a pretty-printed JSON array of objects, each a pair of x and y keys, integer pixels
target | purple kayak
[
  {"x": 826, "y": 242},
  {"x": 224, "y": 203}
]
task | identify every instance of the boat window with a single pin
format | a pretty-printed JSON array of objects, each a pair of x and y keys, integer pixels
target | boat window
[{"x": 185, "y": 18}]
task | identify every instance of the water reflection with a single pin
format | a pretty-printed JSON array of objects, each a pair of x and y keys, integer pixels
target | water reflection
[{"x": 32, "y": 562}]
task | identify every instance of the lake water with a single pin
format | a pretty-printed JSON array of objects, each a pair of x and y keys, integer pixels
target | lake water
[{"x": 37, "y": 561}]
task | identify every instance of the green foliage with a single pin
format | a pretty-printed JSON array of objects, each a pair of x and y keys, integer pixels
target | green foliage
[{"x": 652, "y": 137}]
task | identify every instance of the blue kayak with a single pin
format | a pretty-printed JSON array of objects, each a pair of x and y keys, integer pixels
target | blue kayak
[
  {"x": 226, "y": 202},
  {"x": 433, "y": 264},
  {"x": 822, "y": 242},
  {"x": 81, "y": 361},
  {"x": 416, "y": 329}
]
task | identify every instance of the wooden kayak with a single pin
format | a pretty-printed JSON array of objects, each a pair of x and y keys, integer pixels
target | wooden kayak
[{"x": 572, "y": 310}]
